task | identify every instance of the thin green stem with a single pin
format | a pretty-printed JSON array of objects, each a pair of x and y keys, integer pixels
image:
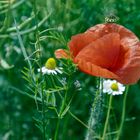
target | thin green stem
[
  {"x": 123, "y": 114},
  {"x": 58, "y": 121},
  {"x": 59, "y": 116},
  {"x": 22, "y": 45},
  {"x": 40, "y": 63},
  {"x": 61, "y": 112},
  {"x": 57, "y": 128},
  {"x": 13, "y": 6},
  {"x": 43, "y": 116},
  {"x": 107, "y": 118},
  {"x": 76, "y": 118}
]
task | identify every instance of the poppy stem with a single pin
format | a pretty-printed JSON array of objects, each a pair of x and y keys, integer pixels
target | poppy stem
[
  {"x": 123, "y": 113},
  {"x": 107, "y": 118}
]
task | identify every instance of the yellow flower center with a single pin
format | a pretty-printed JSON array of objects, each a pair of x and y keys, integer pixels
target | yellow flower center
[
  {"x": 50, "y": 64},
  {"x": 114, "y": 87}
]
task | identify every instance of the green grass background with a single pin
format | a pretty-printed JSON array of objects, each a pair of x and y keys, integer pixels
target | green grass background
[{"x": 69, "y": 17}]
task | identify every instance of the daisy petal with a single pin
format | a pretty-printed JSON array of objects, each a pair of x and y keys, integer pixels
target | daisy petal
[{"x": 59, "y": 71}]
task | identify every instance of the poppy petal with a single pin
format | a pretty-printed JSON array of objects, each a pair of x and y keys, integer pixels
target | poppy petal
[
  {"x": 127, "y": 37},
  {"x": 60, "y": 53},
  {"x": 99, "y": 56},
  {"x": 94, "y": 70},
  {"x": 125, "y": 34},
  {"x": 108, "y": 50},
  {"x": 78, "y": 42},
  {"x": 103, "y": 52},
  {"x": 130, "y": 72}
]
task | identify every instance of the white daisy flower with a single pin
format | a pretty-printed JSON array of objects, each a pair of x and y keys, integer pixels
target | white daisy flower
[
  {"x": 113, "y": 87},
  {"x": 50, "y": 68}
]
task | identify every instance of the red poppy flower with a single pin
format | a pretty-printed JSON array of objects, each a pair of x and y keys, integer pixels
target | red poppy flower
[{"x": 107, "y": 50}]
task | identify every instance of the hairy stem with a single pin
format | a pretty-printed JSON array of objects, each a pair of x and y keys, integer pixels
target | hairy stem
[{"x": 94, "y": 122}]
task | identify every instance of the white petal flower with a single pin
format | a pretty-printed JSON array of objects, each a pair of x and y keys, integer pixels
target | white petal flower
[
  {"x": 113, "y": 87},
  {"x": 55, "y": 71},
  {"x": 50, "y": 68}
]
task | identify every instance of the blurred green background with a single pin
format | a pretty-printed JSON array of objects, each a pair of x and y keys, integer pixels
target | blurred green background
[{"x": 68, "y": 17}]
